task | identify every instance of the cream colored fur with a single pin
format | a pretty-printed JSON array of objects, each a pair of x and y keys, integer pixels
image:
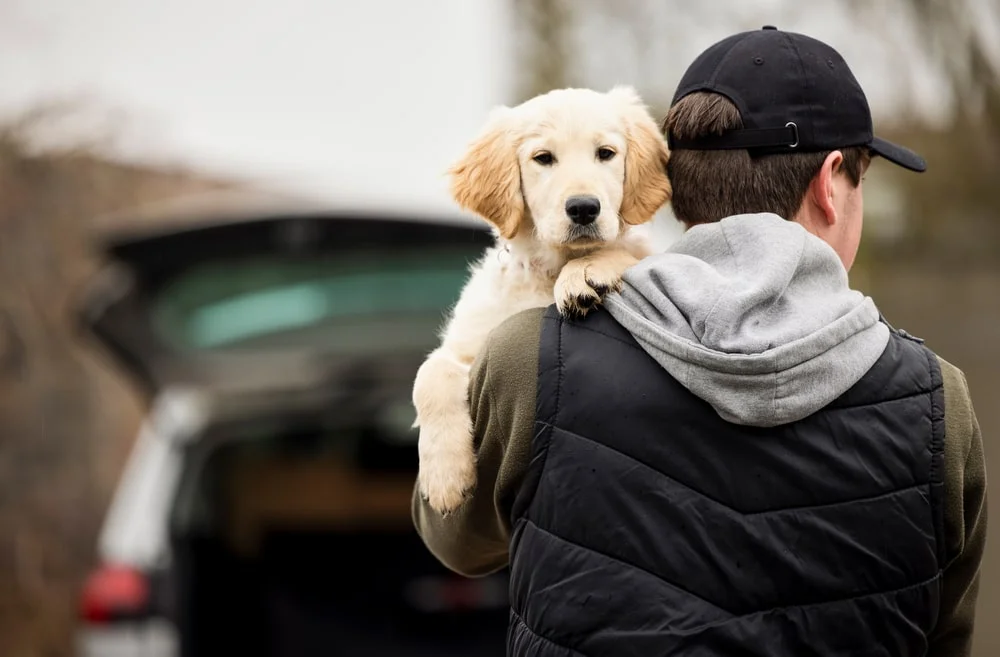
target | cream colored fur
[{"x": 540, "y": 256}]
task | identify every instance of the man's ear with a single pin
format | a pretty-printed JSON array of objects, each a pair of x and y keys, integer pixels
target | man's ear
[
  {"x": 487, "y": 178},
  {"x": 647, "y": 187},
  {"x": 821, "y": 188}
]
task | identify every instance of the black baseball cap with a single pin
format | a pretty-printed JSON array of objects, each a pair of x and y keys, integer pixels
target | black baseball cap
[{"x": 794, "y": 93}]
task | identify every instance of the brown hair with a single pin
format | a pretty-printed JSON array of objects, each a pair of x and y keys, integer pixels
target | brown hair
[{"x": 711, "y": 185}]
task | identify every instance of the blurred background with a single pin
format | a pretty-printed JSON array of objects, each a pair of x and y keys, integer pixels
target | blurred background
[{"x": 279, "y": 118}]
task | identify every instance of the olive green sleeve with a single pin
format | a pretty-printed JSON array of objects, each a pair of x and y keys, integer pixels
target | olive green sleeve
[
  {"x": 964, "y": 519},
  {"x": 474, "y": 539}
]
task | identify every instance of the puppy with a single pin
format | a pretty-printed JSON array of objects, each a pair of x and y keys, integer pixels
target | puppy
[{"x": 561, "y": 178}]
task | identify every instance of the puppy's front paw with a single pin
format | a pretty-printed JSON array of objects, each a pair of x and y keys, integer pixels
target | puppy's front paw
[
  {"x": 583, "y": 284},
  {"x": 447, "y": 467},
  {"x": 574, "y": 294}
]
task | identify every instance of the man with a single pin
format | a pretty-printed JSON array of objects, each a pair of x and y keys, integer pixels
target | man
[{"x": 738, "y": 456}]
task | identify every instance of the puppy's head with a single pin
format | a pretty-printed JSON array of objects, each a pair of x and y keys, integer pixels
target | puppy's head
[{"x": 579, "y": 164}]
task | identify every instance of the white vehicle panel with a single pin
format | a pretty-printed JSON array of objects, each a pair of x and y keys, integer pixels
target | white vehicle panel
[{"x": 134, "y": 531}]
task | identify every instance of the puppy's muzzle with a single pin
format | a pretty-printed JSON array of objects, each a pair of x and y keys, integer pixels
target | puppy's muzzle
[{"x": 583, "y": 210}]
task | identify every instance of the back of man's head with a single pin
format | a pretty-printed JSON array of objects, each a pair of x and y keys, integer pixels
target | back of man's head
[
  {"x": 754, "y": 119},
  {"x": 711, "y": 185}
]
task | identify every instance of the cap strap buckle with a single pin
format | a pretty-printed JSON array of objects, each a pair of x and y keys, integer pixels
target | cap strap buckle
[{"x": 795, "y": 129}]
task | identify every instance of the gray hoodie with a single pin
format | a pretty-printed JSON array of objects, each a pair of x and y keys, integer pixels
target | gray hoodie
[{"x": 754, "y": 315}]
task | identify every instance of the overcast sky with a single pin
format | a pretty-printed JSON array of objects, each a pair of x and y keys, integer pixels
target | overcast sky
[
  {"x": 336, "y": 97},
  {"x": 333, "y": 97}
]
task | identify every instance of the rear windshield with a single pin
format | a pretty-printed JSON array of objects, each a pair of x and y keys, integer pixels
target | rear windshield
[{"x": 376, "y": 298}]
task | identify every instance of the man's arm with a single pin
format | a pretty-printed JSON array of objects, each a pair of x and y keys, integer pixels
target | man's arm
[
  {"x": 965, "y": 519},
  {"x": 474, "y": 539}
]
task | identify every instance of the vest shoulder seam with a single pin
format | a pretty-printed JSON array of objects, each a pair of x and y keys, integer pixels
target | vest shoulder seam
[
  {"x": 919, "y": 393},
  {"x": 547, "y": 427},
  {"x": 936, "y": 447},
  {"x": 582, "y": 327}
]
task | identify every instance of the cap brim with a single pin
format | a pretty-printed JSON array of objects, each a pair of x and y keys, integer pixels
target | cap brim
[{"x": 904, "y": 157}]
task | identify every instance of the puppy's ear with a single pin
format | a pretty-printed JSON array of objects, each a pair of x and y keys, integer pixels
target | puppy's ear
[
  {"x": 487, "y": 179},
  {"x": 647, "y": 187}
]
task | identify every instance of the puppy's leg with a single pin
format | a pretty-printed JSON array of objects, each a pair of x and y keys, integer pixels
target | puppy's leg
[
  {"x": 447, "y": 458},
  {"x": 583, "y": 282},
  {"x": 441, "y": 388}
]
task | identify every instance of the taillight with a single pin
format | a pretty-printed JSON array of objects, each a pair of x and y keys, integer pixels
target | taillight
[
  {"x": 454, "y": 593},
  {"x": 113, "y": 593}
]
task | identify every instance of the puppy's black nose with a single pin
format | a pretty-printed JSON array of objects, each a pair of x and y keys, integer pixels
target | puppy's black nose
[{"x": 583, "y": 210}]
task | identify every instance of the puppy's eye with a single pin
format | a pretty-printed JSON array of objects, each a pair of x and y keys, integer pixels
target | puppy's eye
[
  {"x": 604, "y": 153},
  {"x": 544, "y": 158}
]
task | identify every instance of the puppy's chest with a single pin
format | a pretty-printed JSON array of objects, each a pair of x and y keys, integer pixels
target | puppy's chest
[{"x": 524, "y": 287}]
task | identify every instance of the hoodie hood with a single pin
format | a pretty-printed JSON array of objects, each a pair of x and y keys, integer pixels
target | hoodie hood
[{"x": 754, "y": 315}]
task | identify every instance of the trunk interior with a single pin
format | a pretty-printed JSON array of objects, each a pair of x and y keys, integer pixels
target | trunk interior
[{"x": 300, "y": 543}]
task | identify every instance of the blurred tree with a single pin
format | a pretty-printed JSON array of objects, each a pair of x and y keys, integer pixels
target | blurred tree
[
  {"x": 963, "y": 39},
  {"x": 12, "y": 355},
  {"x": 66, "y": 423},
  {"x": 952, "y": 211},
  {"x": 543, "y": 33}
]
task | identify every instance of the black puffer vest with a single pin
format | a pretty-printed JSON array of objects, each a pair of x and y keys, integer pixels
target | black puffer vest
[{"x": 648, "y": 526}]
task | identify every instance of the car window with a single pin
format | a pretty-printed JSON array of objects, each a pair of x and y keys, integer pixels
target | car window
[{"x": 374, "y": 297}]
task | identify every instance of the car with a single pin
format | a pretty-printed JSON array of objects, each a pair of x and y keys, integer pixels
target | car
[{"x": 264, "y": 509}]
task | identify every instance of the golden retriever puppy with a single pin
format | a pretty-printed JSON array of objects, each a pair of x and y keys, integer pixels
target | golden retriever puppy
[{"x": 561, "y": 178}]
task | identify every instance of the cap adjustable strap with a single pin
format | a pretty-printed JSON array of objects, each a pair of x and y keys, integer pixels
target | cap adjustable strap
[{"x": 743, "y": 138}]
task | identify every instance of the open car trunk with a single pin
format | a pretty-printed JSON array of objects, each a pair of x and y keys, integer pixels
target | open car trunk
[
  {"x": 290, "y": 530},
  {"x": 256, "y": 299}
]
